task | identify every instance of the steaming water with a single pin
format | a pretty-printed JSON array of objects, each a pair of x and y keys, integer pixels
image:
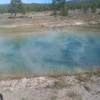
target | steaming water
[{"x": 56, "y": 52}]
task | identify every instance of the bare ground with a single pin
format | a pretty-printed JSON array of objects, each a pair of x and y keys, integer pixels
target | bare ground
[
  {"x": 36, "y": 22},
  {"x": 73, "y": 87}
]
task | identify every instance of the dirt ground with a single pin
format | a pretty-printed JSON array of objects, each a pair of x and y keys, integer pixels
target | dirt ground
[
  {"x": 43, "y": 21},
  {"x": 73, "y": 87}
]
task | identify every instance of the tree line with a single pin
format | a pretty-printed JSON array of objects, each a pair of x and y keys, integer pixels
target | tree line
[{"x": 59, "y": 7}]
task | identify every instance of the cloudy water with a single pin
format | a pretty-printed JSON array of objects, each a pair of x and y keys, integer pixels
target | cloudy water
[{"x": 54, "y": 53}]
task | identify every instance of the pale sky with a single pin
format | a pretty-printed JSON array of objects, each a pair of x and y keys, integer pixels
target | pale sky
[{"x": 28, "y": 1}]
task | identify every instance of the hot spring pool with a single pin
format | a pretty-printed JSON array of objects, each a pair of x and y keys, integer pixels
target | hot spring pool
[{"x": 54, "y": 53}]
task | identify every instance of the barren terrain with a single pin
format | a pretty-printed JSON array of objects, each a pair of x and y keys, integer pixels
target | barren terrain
[
  {"x": 43, "y": 21},
  {"x": 71, "y": 87}
]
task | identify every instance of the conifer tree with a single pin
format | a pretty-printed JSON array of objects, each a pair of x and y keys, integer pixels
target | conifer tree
[
  {"x": 61, "y": 6},
  {"x": 15, "y": 7}
]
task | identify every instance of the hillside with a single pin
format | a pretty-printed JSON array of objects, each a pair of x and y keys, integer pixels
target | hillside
[{"x": 78, "y": 1}]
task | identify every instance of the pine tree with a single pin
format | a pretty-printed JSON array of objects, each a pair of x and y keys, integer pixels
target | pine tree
[
  {"x": 64, "y": 10},
  {"x": 15, "y": 7},
  {"x": 61, "y": 6},
  {"x": 54, "y": 7},
  {"x": 93, "y": 7}
]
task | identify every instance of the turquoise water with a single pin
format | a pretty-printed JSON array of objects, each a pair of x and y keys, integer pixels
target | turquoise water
[{"x": 56, "y": 52}]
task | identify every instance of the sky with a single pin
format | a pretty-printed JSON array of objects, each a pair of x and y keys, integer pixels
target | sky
[{"x": 27, "y": 1}]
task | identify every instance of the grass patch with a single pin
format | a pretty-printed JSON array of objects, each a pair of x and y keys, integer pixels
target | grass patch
[
  {"x": 86, "y": 76},
  {"x": 60, "y": 84},
  {"x": 54, "y": 98},
  {"x": 83, "y": 77}
]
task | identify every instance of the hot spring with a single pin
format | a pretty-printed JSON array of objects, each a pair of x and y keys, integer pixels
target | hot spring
[{"x": 53, "y": 53}]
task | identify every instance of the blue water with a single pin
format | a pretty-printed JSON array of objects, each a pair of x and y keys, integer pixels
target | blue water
[{"x": 53, "y": 53}]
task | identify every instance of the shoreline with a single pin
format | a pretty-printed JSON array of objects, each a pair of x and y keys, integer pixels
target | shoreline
[
  {"x": 16, "y": 77},
  {"x": 47, "y": 31}
]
